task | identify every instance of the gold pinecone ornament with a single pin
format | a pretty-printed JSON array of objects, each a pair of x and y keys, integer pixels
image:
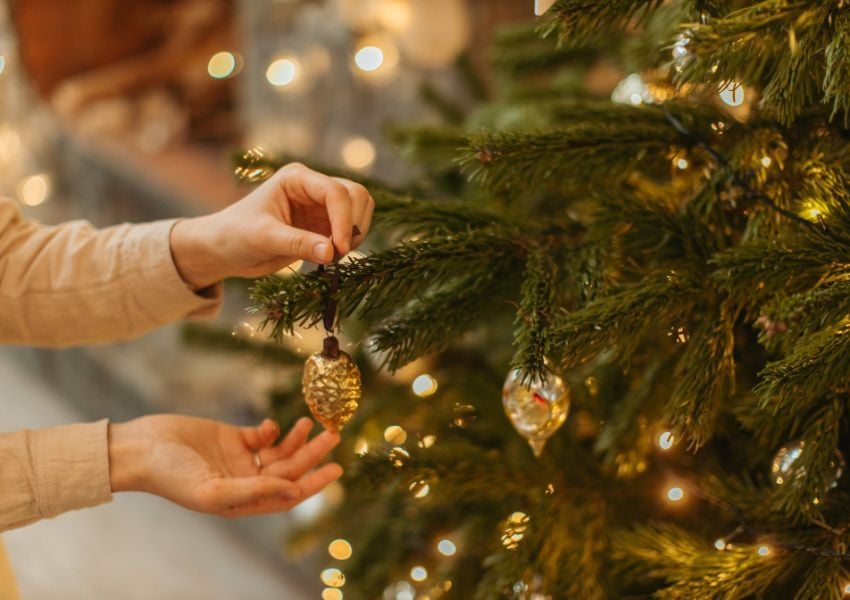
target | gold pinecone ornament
[{"x": 331, "y": 385}]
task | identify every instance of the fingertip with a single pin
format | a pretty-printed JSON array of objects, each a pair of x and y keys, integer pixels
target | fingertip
[
  {"x": 336, "y": 470},
  {"x": 322, "y": 252}
]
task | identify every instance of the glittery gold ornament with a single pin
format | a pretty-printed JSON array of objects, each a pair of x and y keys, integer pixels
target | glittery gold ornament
[
  {"x": 331, "y": 385},
  {"x": 536, "y": 410}
]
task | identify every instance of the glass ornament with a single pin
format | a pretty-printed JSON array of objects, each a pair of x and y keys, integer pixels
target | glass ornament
[
  {"x": 536, "y": 410},
  {"x": 788, "y": 469}
]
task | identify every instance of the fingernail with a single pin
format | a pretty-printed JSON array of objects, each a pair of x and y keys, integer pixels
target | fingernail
[{"x": 321, "y": 251}]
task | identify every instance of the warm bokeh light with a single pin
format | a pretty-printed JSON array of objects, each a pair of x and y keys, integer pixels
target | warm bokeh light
[
  {"x": 720, "y": 544},
  {"x": 358, "y": 153},
  {"x": 813, "y": 210},
  {"x": 675, "y": 493},
  {"x": 418, "y": 573},
  {"x": 395, "y": 15},
  {"x": 446, "y": 547},
  {"x": 732, "y": 94},
  {"x": 666, "y": 440},
  {"x": 375, "y": 57},
  {"x": 283, "y": 71},
  {"x": 766, "y": 161},
  {"x": 10, "y": 143},
  {"x": 35, "y": 189},
  {"x": 331, "y": 594},
  {"x": 340, "y": 549},
  {"x": 222, "y": 64},
  {"x": 395, "y": 435},
  {"x": 361, "y": 447},
  {"x": 333, "y": 578},
  {"x": 763, "y": 550},
  {"x": 369, "y": 58},
  {"x": 682, "y": 163},
  {"x": 424, "y": 385}
]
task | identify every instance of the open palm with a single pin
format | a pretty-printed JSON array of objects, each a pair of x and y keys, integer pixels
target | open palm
[{"x": 212, "y": 467}]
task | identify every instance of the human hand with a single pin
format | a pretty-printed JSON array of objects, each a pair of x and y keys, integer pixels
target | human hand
[
  {"x": 288, "y": 217},
  {"x": 210, "y": 467}
]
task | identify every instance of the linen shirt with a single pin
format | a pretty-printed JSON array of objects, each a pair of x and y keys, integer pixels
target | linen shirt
[{"x": 69, "y": 285}]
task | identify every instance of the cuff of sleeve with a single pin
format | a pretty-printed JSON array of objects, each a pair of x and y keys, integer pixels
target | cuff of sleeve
[
  {"x": 153, "y": 279},
  {"x": 71, "y": 464}
]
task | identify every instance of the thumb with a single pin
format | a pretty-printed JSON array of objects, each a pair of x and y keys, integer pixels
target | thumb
[
  {"x": 236, "y": 491},
  {"x": 300, "y": 243}
]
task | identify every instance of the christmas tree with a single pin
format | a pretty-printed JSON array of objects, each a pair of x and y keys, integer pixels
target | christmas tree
[{"x": 646, "y": 225}]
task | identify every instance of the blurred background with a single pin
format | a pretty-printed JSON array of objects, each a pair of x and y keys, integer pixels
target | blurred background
[{"x": 131, "y": 110}]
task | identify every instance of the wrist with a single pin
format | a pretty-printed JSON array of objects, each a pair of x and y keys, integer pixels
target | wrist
[
  {"x": 193, "y": 252},
  {"x": 127, "y": 454}
]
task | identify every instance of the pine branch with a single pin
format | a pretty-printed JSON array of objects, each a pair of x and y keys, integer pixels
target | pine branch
[
  {"x": 619, "y": 321},
  {"x": 382, "y": 283},
  {"x": 813, "y": 369},
  {"x": 579, "y": 152},
  {"x": 579, "y": 22},
  {"x": 705, "y": 378},
  {"x": 538, "y": 304},
  {"x": 692, "y": 568},
  {"x": 440, "y": 319},
  {"x": 773, "y": 44}
]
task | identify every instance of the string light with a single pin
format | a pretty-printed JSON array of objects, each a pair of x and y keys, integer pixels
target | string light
[
  {"x": 283, "y": 71},
  {"x": 244, "y": 330},
  {"x": 418, "y": 573},
  {"x": 675, "y": 494},
  {"x": 847, "y": 589},
  {"x": 424, "y": 385},
  {"x": 331, "y": 594},
  {"x": 395, "y": 435},
  {"x": 427, "y": 441},
  {"x": 222, "y": 65},
  {"x": 732, "y": 94},
  {"x": 361, "y": 447},
  {"x": 333, "y": 578},
  {"x": 369, "y": 58},
  {"x": 358, "y": 153},
  {"x": 766, "y": 161},
  {"x": 720, "y": 544},
  {"x": 446, "y": 547},
  {"x": 340, "y": 549},
  {"x": 813, "y": 210},
  {"x": 666, "y": 440},
  {"x": 763, "y": 550},
  {"x": 375, "y": 56},
  {"x": 682, "y": 163}
]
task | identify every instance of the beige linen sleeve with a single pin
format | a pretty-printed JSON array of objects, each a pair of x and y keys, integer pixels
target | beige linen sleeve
[
  {"x": 72, "y": 284},
  {"x": 66, "y": 285},
  {"x": 46, "y": 472}
]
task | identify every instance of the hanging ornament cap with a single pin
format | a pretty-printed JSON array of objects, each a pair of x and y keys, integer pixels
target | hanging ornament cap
[{"x": 331, "y": 382}]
